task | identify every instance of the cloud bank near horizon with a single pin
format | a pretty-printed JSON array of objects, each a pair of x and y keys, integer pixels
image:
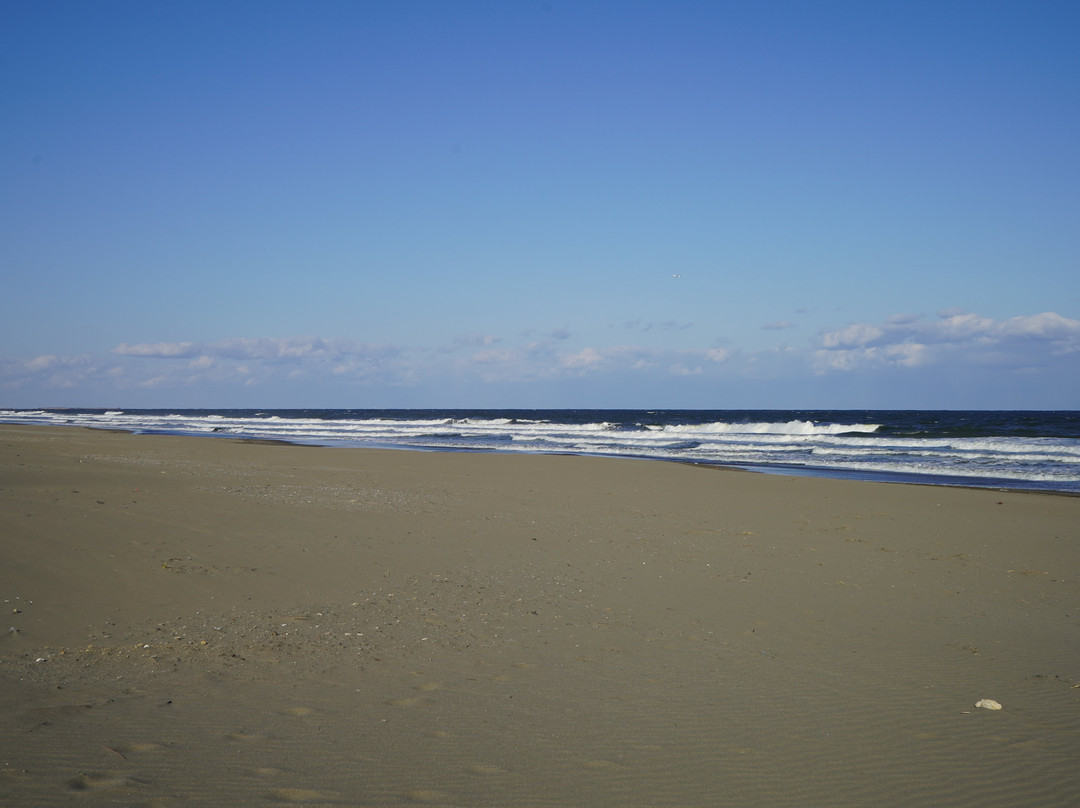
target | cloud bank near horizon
[{"x": 950, "y": 344}]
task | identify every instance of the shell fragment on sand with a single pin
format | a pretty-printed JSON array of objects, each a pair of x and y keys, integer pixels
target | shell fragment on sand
[{"x": 988, "y": 704}]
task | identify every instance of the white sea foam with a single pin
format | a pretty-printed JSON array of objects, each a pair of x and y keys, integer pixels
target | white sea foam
[
  {"x": 857, "y": 447},
  {"x": 786, "y": 428}
]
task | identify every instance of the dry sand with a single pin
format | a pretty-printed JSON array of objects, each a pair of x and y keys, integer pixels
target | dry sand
[{"x": 210, "y": 622}]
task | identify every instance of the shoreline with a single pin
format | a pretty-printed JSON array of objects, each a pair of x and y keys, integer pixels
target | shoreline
[
  {"x": 201, "y": 621},
  {"x": 825, "y": 473},
  {"x": 1036, "y": 450}
]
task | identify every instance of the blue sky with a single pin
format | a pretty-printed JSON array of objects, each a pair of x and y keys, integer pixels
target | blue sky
[{"x": 540, "y": 204}]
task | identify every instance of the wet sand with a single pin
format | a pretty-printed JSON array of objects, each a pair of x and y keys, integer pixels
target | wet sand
[{"x": 196, "y": 621}]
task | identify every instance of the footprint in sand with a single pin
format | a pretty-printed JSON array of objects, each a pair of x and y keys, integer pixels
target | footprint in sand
[
  {"x": 138, "y": 748},
  {"x": 101, "y": 781},
  {"x": 426, "y": 795},
  {"x": 299, "y": 795},
  {"x": 245, "y": 737},
  {"x": 486, "y": 768},
  {"x": 412, "y": 701}
]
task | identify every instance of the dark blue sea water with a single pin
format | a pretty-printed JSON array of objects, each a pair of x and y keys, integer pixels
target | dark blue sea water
[{"x": 1009, "y": 449}]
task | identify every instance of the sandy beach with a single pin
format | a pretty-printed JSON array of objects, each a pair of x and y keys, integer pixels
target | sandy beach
[{"x": 200, "y": 621}]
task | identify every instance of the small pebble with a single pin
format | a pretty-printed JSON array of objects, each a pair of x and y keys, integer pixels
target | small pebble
[{"x": 988, "y": 704}]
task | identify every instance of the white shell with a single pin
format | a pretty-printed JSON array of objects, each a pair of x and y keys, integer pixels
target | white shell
[{"x": 988, "y": 704}]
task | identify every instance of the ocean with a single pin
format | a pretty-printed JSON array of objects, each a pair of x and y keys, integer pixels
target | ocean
[{"x": 1032, "y": 450}]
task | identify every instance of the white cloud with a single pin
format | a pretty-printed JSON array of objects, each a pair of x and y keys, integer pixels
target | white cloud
[
  {"x": 293, "y": 348},
  {"x": 49, "y": 371},
  {"x": 909, "y": 354},
  {"x": 954, "y": 328},
  {"x": 162, "y": 350},
  {"x": 544, "y": 361},
  {"x": 286, "y": 349},
  {"x": 464, "y": 341},
  {"x": 557, "y": 334},
  {"x": 42, "y": 362},
  {"x": 951, "y": 311},
  {"x": 585, "y": 358},
  {"x": 679, "y": 369},
  {"x": 260, "y": 359},
  {"x": 851, "y": 336},
  {"x": 954, "y": 337},
  {"x": 497, "y": 355},
  {"x": 1049, "y": 326},
  {"x": 843, "y": 359}
]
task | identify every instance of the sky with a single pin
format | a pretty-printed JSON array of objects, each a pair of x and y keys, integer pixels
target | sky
[{"x": 539, "y": 204}]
